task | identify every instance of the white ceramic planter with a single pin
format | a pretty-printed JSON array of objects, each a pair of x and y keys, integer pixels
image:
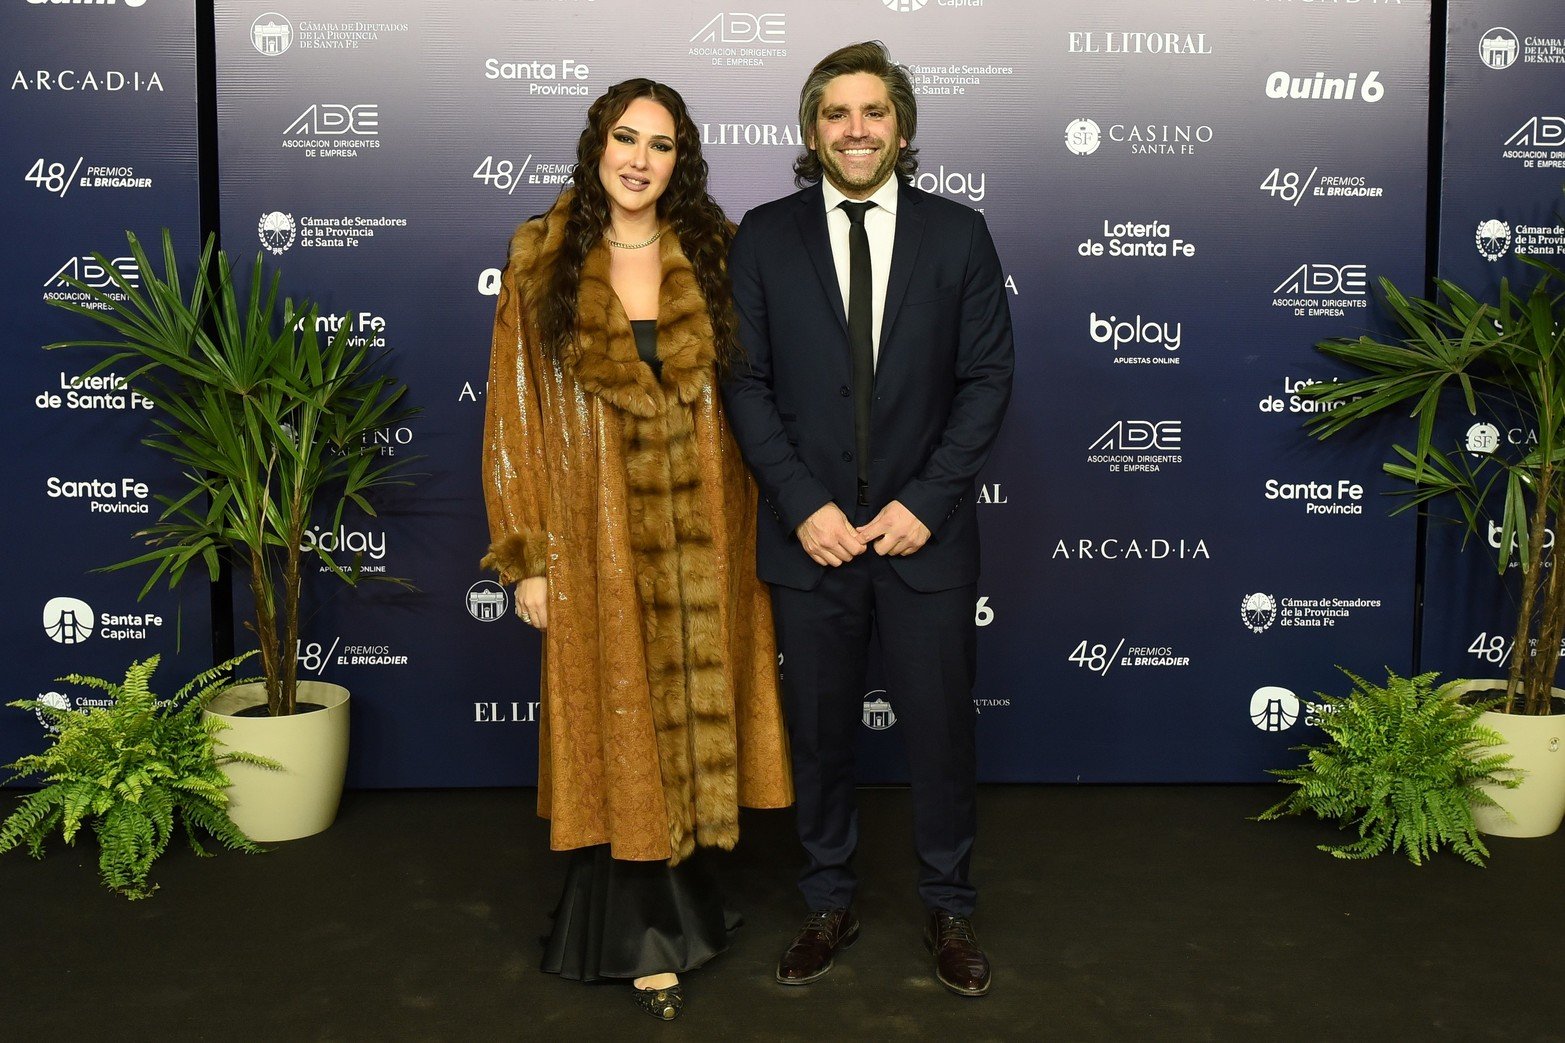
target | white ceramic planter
[
  {"x": 301, "y": 800},
  {"x": 1537, "y": 747}
]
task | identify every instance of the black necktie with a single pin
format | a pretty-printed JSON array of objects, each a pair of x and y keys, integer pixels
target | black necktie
[{"x": 861, "y": 335}]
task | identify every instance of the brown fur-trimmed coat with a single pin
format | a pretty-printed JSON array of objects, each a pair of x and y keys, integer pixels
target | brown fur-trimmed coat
[{"x": 660, "y": 714}]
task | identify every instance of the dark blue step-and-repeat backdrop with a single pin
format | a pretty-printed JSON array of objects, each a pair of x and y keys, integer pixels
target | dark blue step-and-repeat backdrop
[
  {"x": 1186, "y": 196},
  {"x": 1504, "y": 167},
  {"x": 100, "y": 137}
]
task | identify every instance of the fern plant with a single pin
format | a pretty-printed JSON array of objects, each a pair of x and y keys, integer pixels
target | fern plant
[
  {"x": 128, "y": 770},
  {"x": 1402, "y": 764}
]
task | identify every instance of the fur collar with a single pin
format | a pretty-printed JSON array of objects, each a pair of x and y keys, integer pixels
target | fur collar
[{"x": 603, "y": 356}]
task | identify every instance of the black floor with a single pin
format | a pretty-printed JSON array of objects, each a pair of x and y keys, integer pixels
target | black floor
[{"x": 1110, "y": 913}]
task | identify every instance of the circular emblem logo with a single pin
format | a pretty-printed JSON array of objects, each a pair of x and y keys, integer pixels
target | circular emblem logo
[
  {"x": 902, "y": 6},
  {"x": 271, "y": 34},
  {"x": 1082, "y": 137},
  {"x": 68, "y": 620},
  {"x": 1483, "y": 437},
  {"x": 877, "y": 712},
  {"x": 1274, "y": 709},
  {"x": 55, "y": 701},
  {"x": 1499, "y": 48},
  {"x": 1258, "y": 611},
  {"x": 487, "y": 601},
  {"x": 276, "y": 231},
  {"x": 1493, "y": 239}
]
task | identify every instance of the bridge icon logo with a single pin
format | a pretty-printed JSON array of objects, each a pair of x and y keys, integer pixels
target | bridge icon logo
[
  {"x": 69, "y": 621},
  {"x": 1274, "y": 709}
]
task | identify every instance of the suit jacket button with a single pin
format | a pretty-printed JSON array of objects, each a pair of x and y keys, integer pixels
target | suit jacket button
[
  {"x": 843, "y": 391},
  {"x": 847, "y": 457}
]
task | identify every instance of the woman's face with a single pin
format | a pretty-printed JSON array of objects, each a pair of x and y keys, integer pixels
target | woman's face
[{"x": 638, "y": 158}]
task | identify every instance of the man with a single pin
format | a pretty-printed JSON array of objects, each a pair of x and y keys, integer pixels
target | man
[{"x": 878, "y": 343}]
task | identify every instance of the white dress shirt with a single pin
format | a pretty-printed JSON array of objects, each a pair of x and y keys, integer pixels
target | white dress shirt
[{"x": 880, "y": 225}]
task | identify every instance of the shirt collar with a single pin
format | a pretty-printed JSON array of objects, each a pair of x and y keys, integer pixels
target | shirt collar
[{"x": 885, "y": 196}]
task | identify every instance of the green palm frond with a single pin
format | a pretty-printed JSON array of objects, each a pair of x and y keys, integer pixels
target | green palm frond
[
  {"x": 1502, "y": 359},
  {"x": 270, "y": 425}
]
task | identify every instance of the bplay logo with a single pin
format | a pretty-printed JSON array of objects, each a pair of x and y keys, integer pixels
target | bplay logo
[
  {"x": 1274, "y": 709},
  {"x": 954, "y": 183},
  {"x": 361, "y": 544},
  {"x": 271, "y": 34},
  {"x": 1499, "y": 48},
  {"x": 68, "y": 621},
  {"x": 1135, "y": 331},
  {"x": 487, "y": 601}
]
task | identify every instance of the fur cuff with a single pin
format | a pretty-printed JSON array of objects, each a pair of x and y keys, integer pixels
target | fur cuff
[{"x": 519, "y": 556}]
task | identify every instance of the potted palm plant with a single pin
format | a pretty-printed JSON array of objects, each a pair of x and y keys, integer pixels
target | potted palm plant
[
  {"x": 1501, "y": 358},
  {"x": 272, "y": 429},
  {"x": 129, "y": 771}
]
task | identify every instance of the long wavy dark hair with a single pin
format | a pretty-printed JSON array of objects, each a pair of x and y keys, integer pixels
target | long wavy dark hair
[
  {"x": 704, "y": 233},
  {"x": 872, "y": 57}
]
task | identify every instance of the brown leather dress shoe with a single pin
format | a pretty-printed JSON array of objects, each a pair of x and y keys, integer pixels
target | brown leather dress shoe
[
  {"x": 960, "y": 964},
  {"x": 818, "y": 941}
]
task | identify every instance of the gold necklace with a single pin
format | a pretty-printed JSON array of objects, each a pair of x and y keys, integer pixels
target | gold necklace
[{"x": 634, "y": 246}]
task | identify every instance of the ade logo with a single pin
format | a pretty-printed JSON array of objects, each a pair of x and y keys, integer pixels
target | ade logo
[
  {"x": 740, "y": 27},
  {"x": 1323, "y": 280}
]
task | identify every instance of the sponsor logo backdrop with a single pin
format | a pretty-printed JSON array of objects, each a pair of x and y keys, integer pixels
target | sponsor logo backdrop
[
  {"x": 100, "y": 136},
  {"x": 1185, "y": 197},
  {"x": 1504, "y": 162}
]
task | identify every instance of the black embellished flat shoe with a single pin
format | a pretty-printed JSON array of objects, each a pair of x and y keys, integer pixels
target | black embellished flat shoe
[{"x": 663, "y": 1004}]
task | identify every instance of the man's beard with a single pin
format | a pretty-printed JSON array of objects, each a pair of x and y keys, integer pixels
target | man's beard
[{"x": 844, "y": 183}]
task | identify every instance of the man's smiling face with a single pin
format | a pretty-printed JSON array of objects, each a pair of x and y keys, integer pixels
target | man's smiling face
[{"x": 855, "y": 135}]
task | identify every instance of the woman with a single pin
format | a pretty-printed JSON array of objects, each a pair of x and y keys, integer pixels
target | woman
[{"x": 619, "y": 507}]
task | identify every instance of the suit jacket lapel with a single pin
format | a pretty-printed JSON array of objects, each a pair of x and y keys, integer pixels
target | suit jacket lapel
[
  {"x": 811, "y": 219},
  {"x": 904, "y": 258}
]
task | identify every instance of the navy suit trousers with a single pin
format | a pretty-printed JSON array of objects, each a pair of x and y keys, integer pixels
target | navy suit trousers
[{"x": 928, "y": 641}]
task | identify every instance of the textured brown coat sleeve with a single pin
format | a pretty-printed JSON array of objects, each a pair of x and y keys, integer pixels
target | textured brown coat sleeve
[{"x": 515, "y": 478}]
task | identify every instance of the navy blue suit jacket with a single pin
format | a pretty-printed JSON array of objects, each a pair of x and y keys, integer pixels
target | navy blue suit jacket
[{"x": 942, "y": 380}]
